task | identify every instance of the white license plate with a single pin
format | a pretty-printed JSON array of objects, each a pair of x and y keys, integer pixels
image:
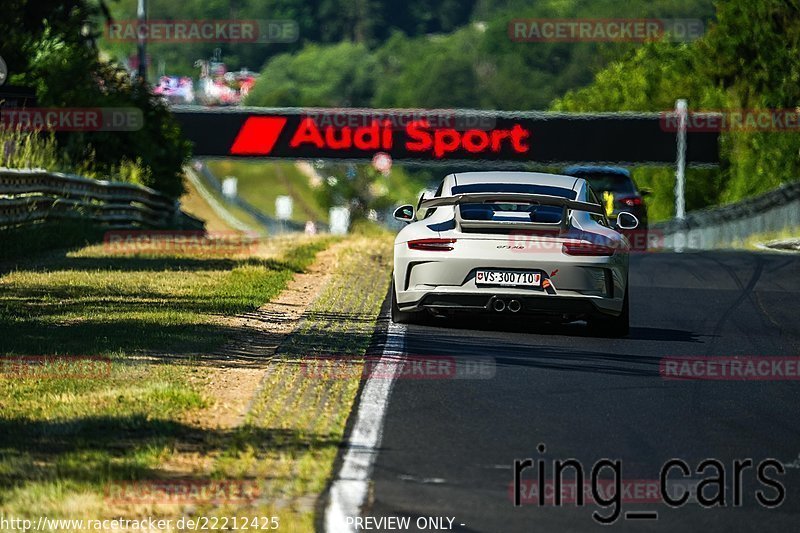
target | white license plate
[{"x": 511, "y": 278}]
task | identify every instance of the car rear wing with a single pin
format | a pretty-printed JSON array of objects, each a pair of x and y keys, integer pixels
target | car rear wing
[{"x": 511, "y": 198}]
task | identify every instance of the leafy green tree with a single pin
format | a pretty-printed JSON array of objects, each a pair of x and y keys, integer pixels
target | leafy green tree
[
  {"x": 339, "y": 75},
  {"x": 651, "y": 78},
  {"x": 752, "y": 52},
  {"x": 426, "y": 72},
  {"x": 49, "y": 46},
  {"x": 748, "y": 59},
  {"x": 359, "y": 187},
  {"x": 369, "y": 22}
]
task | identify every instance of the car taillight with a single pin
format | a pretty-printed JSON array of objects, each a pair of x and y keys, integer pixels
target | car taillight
[
  {"x": 438, "y": 245},
  {"x": 631, "y": 201},
  {"x": 586, "y": 248}
]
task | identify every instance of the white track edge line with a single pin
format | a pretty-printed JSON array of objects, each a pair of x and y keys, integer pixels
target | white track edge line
[{"x": 349, "y": 490}]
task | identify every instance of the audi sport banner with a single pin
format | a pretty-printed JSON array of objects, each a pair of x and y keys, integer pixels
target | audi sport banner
[{"x": 441, "y": 135}]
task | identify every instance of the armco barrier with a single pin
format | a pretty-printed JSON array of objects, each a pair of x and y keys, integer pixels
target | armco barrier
[
  {"x": 730, "y": 225},
  {"x": 28, "y": 196}
]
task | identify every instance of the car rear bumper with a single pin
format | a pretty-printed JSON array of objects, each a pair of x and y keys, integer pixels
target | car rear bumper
[
  {"x": 563, "y": 305},
  {"x": 571, "y": 285}
]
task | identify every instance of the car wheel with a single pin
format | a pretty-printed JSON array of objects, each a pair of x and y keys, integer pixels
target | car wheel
[
  {"x": 618, "y": 326},
  {"x": 404, "y": 317}
]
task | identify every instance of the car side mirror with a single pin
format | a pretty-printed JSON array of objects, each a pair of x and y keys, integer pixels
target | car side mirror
[
  {"x": 626, "y": 221},
  {"x": 404, "y": 213},
  {"x": 645, "y": 192}
]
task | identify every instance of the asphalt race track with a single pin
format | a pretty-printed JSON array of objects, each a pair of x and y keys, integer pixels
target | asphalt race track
[{"x": 449, "y": 445}]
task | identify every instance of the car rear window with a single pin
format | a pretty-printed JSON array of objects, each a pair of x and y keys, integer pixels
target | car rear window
[
  {"x": 496, "y": 212},
  {"x": 617, "y": 183}
]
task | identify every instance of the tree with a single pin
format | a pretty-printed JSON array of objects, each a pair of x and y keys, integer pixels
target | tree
[
  {"x": 333, "y": 76},
  {"x": 752, "y": 52},
  {"x": 747, "y": 59},
  {"x": 49, "y": 46}
]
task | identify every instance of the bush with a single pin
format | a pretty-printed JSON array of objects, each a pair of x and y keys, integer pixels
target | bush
[
  {"x": 59, "y": 61},
  {"x": 746, "y": 60},
  {"x": 26, "y": 149},
  {"x": 324, "y": 76}
]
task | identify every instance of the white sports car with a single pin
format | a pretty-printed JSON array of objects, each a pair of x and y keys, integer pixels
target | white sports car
[{"x": 512, "y": 242}]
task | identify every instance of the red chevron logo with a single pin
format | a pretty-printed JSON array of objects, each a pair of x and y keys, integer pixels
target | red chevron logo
[{"x": 258, "y": 136}]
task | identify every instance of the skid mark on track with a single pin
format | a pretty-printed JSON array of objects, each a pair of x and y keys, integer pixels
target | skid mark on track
[{"x": 746, "y": 294}]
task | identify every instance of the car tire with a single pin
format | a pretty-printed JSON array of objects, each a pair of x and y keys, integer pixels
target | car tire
[
  {"x": 404, "y": 317},
  {"x": 618, "y": 326}
]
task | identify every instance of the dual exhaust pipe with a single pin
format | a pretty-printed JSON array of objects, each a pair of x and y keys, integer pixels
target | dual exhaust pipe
[{"x": 513, "y": 305}]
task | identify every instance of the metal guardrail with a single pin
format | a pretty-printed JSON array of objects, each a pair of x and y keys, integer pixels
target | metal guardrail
[
  {"x": 730, "y": 225},
  {"x": 28, "y": 196}
]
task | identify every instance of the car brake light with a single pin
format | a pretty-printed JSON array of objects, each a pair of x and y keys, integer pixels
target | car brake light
[
  {"x": 631, "y": 201},
  {"x": 586, "y": 248},
  {"x": 438, "y": 245}
]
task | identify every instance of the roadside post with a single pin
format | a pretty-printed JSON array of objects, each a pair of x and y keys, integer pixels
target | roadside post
[
  {"x": 339, "y": 220},
  {"x": 680, "y": 168},
  {"x": 283, "y": 210},
  {"x": 3, "y": 71},
  {"x": 141, "y": 15},
  {"x": 230, "y": 188}
]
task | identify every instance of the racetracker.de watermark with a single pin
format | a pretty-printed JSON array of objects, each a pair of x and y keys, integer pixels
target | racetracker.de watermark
[
  {"x": 603, "y": 491},
  {"x": 203, "y": 31},
  {"x": 55, "y": 367},
  {"x": 399, "y": 120},
  {"x": 574, "y": 30},
  {"x": 182, "y": 491},
  {"x": 185, "y": 241},
  {"x": 72, "y": 118},
  {"x": 745, "y": 120},
  {"x": 422, "y": 367},
  {"x": 732, "y": 368},
  {"x": 553, "y": 242}
]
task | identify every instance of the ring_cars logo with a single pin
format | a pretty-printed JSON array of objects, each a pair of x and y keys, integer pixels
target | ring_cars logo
[{"x": 259, "y": 134}]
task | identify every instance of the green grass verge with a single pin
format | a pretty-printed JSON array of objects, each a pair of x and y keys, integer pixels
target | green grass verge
[
  {"x": 91, "y": 302},
  {"x": 259, "y": 183},
  {"x": 295, "y": 428},
  {"x": 236, "y": 212},
  {"x": 66, "y": 431}
]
